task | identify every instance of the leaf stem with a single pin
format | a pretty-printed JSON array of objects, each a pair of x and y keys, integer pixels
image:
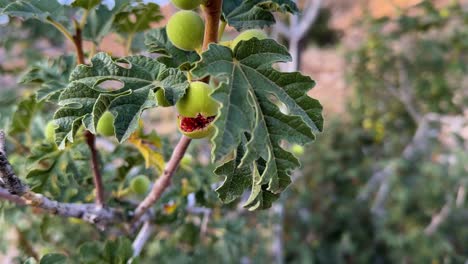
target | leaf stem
[
  {"x": 128, "y": 44},
  {"x": 84, "y": 18},
  {"x": 62, "y": 29},
  {"x": 222, "y": 28}
]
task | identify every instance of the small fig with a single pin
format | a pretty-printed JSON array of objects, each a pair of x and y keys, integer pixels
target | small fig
[
  {"x": 140, "y": 184},
  {"x": 105, "y": 125},
  {"x": 185, "y": 30},
  {"x": 297, "y": 150}
]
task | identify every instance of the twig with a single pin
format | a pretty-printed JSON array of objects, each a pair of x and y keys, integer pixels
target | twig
[
  {"x": 90, "y": 138},
  {"x": 97, "y": 178},
  {"x": 309, "y": 17},
  {"x": 16, "y": 191},
  {"x": 25, "y": 245},
  {"x": 437, "y": 220},
  {"x": 8, "y": 178},
  {"x": 164, "y": 180},
  {"x": 5, "y": 195},
  {"x": 142, "y": 237}
]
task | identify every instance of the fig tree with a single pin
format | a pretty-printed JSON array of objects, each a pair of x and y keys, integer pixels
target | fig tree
[
  {"x": 105, "y": 125},
  {"x": 185, "y": 29},
  {"x": 197, "y": 110},
  {"x": 187, "y": 4},
  {"x": 248, "y": 34}
]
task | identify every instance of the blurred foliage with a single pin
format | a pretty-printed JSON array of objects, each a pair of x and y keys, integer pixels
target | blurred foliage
[{"x": 321, "y": 33}]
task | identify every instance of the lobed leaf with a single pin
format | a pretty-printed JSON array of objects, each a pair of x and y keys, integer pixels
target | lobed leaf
[
  {"x": 43, "y": 10},
  {"x": 250, "y": 93},
  {"x": 246, "y": 14},
  {"x": 52, "y": 75},
  {"x": 85, "y": 99}
]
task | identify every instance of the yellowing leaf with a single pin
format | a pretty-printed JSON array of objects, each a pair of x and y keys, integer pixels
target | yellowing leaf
[{"x": 150, "y": 148}]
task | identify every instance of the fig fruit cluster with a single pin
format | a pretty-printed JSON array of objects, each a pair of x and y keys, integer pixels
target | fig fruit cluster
[{"x": 197, "y": 109}]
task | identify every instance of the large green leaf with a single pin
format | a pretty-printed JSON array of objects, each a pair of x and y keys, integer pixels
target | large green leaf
[
  {"x": 85, "y": 99},
  {"x": 44, "y": 10},
  {"x": 157, "y": 41},
  {"x": 50, "y": 170},
  {"x": 249, "y": 94},
  {"x": 245, "y": 14}
]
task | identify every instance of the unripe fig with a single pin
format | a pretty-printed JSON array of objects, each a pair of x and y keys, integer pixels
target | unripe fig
[
  {"x": 297, "y": 150},
  {"x": 185, "y": 29},
  {"x": 248, "y": 34},
  {"x": 161, "y": 99},
  {"x": 197, "y": 110},
  {"x": 187, "y": 4},
  {"x": 186, "y": 160},
  {"x": 105, "y": 125},
  {"x": 140, "y": 184},
  {"x": 49, "y": 131}
]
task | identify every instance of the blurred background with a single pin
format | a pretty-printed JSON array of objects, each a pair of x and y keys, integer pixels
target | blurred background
[{"x": 386, "y": 180}]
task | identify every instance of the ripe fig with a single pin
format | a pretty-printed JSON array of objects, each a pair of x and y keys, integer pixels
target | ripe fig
[
  {"x": 197, "y": 111},
  {"x": 185, "y": 29}
]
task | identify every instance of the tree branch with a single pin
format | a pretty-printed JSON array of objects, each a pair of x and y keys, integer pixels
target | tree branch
[
  {"x": 212, "y": 10},
  {"x": 12, "y": 189},
  {"x": 97, "y": 178},
  {"x": 438, "y": 219},
  {"x": 164, "y": 180},
  {"x": 309, "y": 17},
  {"x": 140, "y": 241}
]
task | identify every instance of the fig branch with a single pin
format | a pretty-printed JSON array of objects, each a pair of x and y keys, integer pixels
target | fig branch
[
  {"x": 212, "y": 10},
  {"x": 90, "y": 138},
  {"x": 14, "y": 190}
]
